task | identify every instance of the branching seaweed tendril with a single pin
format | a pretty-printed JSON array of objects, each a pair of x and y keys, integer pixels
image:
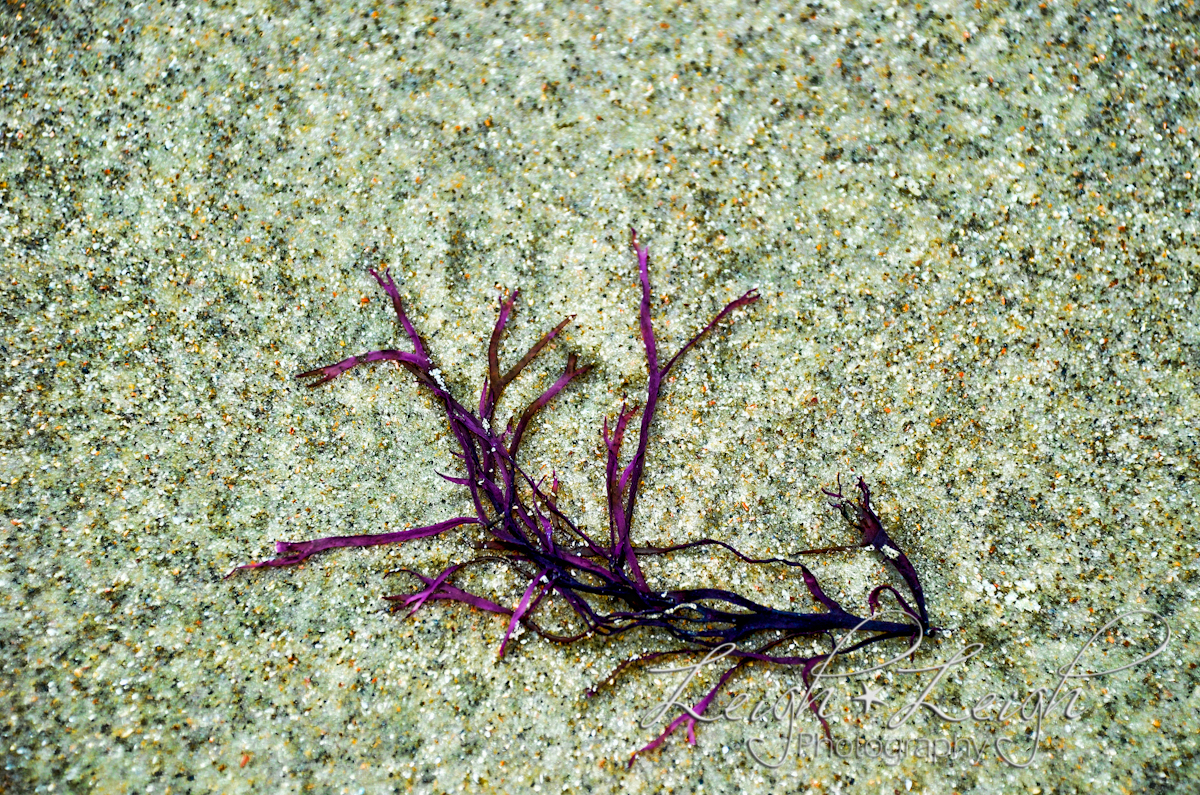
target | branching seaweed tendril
[{"x": 525, "y": 529}]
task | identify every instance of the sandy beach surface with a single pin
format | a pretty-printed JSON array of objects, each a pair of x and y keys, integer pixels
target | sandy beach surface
[{"x": 974, "y": 230}]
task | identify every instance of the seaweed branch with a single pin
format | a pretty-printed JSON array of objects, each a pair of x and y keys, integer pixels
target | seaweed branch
[{"x": 601, "y": 581}]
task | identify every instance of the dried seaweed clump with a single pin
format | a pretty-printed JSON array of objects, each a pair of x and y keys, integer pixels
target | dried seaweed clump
[{"x": 601, "y": 579}]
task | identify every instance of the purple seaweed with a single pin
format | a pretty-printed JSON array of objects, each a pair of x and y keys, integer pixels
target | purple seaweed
[{"x": 526, "y": 531}]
